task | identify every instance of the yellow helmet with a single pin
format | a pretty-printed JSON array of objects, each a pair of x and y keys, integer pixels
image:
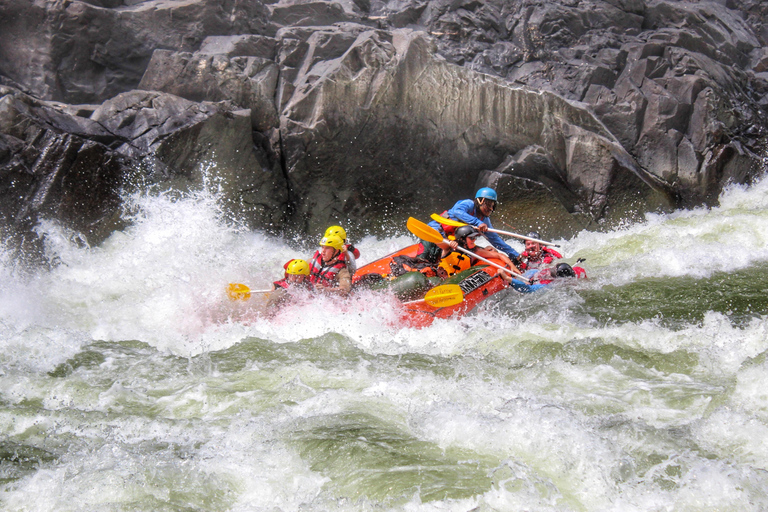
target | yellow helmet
[
  {"x": 334, "y": 241},
  {"x": 338, "y": 231},
  {"x": 297, "y": 268}
]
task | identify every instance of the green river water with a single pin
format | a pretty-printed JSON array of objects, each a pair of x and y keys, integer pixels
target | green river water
[{"x": 129, "y": 383}]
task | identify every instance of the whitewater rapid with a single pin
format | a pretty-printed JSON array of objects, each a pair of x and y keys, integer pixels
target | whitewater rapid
[{"x": 128, "y": 381}]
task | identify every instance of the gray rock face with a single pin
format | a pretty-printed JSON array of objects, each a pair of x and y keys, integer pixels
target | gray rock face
[
  {"x": 248, "y": 82},
  {"x": 55, "y": 165},
  {"x": 60, "y": 166},
  {"x": 381, "y": 94},
  {"x": 354, "y": 111},
  {"x": 79, "y": 52},
  {"x": 662, "y": 76}
]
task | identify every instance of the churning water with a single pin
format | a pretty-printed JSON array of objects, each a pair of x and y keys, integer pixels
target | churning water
[{"x": 129, "y": 382}]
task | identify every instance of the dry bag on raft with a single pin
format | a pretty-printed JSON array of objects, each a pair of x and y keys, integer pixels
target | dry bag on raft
[{"x": 409, "y": 286}]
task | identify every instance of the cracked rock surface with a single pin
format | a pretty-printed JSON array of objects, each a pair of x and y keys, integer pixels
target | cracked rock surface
[{"x": 310, "y": 113}]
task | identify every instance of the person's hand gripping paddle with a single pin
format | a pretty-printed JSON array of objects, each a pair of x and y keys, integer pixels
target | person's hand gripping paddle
[{"x": 429, "y": 234}]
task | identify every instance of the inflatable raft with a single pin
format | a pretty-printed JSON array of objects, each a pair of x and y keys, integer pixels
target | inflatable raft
[{"x": 477, "y": 284}]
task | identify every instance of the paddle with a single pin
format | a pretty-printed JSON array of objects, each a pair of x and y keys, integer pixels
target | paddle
[
  {"x": 237, "y": 291},
  {"x": 442, "y": 296},
  {"x": 429, "y": 234},
  {"x": 456, "y": 223}
]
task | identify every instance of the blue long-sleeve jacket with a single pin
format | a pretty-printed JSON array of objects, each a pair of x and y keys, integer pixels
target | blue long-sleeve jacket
[{"x": 464, "y": 211}]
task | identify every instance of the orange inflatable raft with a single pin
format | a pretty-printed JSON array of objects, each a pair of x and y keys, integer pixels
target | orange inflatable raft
[{"x": 477, "y": 284}]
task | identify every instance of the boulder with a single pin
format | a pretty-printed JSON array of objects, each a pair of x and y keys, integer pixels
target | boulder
[
  {"x": 302, "y": 13},
  {"x": 439, "y": 123},
  {"x": 640, "y": 65},
  {"x": 363, "y": 112},
  {"x": 183, "y": 145},
  {"x": 244, "y": 45},
  {"x": 76, "y": 52},
  {"x": 248, "y": 82},
  {"x": 54, "y": 165}
]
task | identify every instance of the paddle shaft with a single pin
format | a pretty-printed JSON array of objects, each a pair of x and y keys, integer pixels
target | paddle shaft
[
  {"x": 473, "y": 255},
  {"x": 521, "y": 237},
  {"x": 255, "y": 291},
  {"x": 456, "y": 223},
  {"x": 430, "y": 234},
  {"x": 237, "y": 291}
]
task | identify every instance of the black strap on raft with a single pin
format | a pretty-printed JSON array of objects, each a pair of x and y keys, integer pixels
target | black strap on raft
[
  {"x": 369, "y": 280},
  {"x": 402, "y": 264}
]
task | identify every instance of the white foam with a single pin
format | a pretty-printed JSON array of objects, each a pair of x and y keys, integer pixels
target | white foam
[{"x": 561, "y": 411}]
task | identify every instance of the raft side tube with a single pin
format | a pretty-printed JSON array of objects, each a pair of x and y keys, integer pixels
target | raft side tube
[{"x": 409, "y": 286}]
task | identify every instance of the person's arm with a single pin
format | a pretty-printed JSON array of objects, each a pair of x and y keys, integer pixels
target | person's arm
[
  {"x": 349, "y": 259},
  {"x": 276, "y": 298},
  {"x": 345, "y": 282},
  {"x": 464, "y": 211},
  {"x": 448, "y": 247},
  {"x": 500, "y": 244},
  {"x": 490, "y": 252},
  {"x": 553, "y": 253}
]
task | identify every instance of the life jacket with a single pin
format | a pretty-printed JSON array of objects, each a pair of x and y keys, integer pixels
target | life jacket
[
  {"x": 283, "y": 283},
  {"x": 545, "y": 257},
  {"x": 456, "y": 262},
  {"x": 448, "y": 229},
  {"x": 325, "y": 274},
  {"x": 544, "y": 277}
]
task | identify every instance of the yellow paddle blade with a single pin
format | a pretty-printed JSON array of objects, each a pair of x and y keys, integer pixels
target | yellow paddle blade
[
  {"x": 237, "y": 291},
  {"x": 447, "y": 222},
  {"x": 423, "y": 231},
  {"x": 444, "y": 296}
]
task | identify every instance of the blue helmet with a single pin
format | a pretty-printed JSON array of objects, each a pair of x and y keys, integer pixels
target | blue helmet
[{"x": 486, "y": 193}]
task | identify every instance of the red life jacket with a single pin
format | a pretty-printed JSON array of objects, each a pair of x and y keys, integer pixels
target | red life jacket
[
  {"x": 545, "y": 257},
  {"x": 325, "y": 274},
  {"x": 544, "y": 277},
  {"x": 283, "y": 283},
  {"x": 447, "y": 228}
]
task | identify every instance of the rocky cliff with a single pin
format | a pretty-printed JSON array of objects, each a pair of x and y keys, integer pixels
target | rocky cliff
[{"x": 310, "y": 112}]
